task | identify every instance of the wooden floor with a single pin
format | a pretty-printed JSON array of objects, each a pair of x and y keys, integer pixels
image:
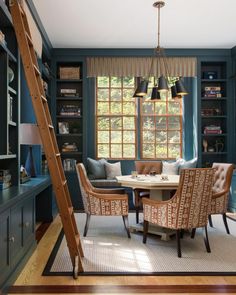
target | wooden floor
[{"x": 30, "y": 280}]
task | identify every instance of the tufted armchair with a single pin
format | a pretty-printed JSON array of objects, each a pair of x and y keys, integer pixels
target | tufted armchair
[
  {"x": 144, "y": 167},
  {"x": 187, "y": 209},
  {"x": 101, "y": 202},
  {"x": 221, "y": 188}
]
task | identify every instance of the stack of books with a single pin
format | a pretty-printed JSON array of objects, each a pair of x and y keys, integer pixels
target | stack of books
[
  {"x": 70, "y": 110},
  {"x": 5, "y": 179},
  {"x": 212, "y": 129},
  {"x": 212, "y": 91}
]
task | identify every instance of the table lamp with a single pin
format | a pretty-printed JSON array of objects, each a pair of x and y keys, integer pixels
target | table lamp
[{"x": 29, "y": 135}]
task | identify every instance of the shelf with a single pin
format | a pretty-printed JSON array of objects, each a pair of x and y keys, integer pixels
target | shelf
[
  {"x": 214, "y": 98},
  {"x": 11, "y": 56},
  {"x": 214, "y": 117},
  {"x": 223, "y": 134},
  {"x": 213, "y": 153},
  {"x": 70, "y": 98},
  {"x": 70, "y": 153},
  {"x": 69, "y": 135},
  {"x": 11, "y": 123},
  {"x": 214, "y": 80},
  {"x": 13, "y": 91},
  {"x": 69, "y": 117},
  {"x": 69, "y": 80},
  {"x": 5, "y": 157}
]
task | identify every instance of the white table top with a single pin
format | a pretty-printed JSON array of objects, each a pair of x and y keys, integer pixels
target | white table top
[{"x": 149, "y": 182}]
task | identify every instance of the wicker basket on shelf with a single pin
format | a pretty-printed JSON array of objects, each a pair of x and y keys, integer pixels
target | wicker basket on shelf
[{"x": 72, "y": 73}]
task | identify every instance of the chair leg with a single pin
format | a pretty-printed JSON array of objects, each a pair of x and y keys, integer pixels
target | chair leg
[
  {"x": 137, "y": 214},
  {"x": 178, "y": 235},
  {"x": 226, "y": 223},
  {"x": 210, "y": 220},
  {"x": 206, "y": 241},
  {"x": 181, "y": 233},
  {"x": 145, "y": 230},
  {"x": 193, "y": 233},
  {"x": 86, "y": 224},
  {"x": 126, "y": 224}
]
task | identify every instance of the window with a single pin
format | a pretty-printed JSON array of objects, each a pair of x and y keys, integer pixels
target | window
[
  {"x": 116, "y": 116},
  {"x": 160, "y": 122},
  {"x": 161, "y": 127}
]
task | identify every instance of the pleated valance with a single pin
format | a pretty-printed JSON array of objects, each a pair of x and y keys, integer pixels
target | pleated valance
[{"x": 140, "y": 66}]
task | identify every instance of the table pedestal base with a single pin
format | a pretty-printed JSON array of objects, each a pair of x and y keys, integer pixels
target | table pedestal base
[{"x": 165, "y": 233}]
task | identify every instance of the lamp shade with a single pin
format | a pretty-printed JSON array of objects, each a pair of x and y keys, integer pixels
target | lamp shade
[
  {"x": 180, "y": 88},
  {"x": 29, "y": 134},
  {"x": 174, "y": 92},
  {"x": 155, "y": 93},
  {"x": 142, "y": 88},
  {"x": 162, "y": 84}
]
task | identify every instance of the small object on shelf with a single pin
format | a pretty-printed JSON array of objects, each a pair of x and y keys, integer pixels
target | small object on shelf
[
  {"x": 212, "y": 129},
  {"x": 68, "y": 92},
  {"x": 205, "y": 145},
  {"x": 68, "y": 147},
  {"x": 74, "y": 127},
  {"x": 63, "y": 127},
  {"x": 219, "y": 146},
  {"x": 10, "y": 107},
  {"x": 5, "y": 179},
  {"x": 72, "y": 73},
  {"x": 10, "y": 75},
  {"x": 211, "y": 150},
  {"x": 24, "y": 177},
  {"x": 2, "y": 38},
  {"x": 210, "y": 75}
]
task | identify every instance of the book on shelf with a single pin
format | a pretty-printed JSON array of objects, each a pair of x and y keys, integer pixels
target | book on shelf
[
  {"x": 69, "y": 164},
  {"x": 212, "y": 88},
  {"x": 70, "y": 110}
]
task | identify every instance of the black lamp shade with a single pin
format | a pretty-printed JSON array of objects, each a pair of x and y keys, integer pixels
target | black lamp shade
[
  {"x": 155, "y": 93},
  {"x": 180, "y": 88},
  {"x": 162, "y": 84},
  {"x": 142, "y": 88},
  {"x": 174, "y": 92}
]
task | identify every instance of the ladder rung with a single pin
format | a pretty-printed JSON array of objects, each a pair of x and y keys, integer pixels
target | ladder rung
[
  {"x": 29, "y": 39},
  {"x": 71, "y": 210},
  {"x": 37, "y": 70},
  {"x": 43, "y": 98},
  {"x": 50, "y": 126},
  {"x": 65, "y": 182},
  {"x": 21, "y": 10},
  {"x": 58, "y": 155}
]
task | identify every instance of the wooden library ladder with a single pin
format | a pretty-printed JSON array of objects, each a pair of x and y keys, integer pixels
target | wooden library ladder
[{"x": 44, "y": 121}]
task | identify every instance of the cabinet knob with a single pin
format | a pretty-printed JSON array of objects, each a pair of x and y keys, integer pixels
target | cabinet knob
[{"x": 12, "y": 239}]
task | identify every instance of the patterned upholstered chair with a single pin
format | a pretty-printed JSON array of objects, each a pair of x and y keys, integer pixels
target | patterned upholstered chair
[
  {"x": 221, "y": 188},
  {"x": 187, "y": 209},
  {"x": 102, "y": 202},
  {"x": 144, "y": 167}
]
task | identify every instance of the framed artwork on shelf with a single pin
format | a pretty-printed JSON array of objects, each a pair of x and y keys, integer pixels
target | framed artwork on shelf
[{"x": 63, "y": 127}]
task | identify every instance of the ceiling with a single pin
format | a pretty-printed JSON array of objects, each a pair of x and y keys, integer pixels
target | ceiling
[{"x": 133, "y": 23}]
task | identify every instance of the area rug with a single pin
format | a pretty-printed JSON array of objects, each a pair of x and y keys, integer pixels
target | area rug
[{"x": 108, "y": 251}]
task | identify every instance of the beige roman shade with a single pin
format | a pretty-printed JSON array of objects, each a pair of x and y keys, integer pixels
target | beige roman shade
[
  {"x": 35, "y": 34},
  {"x": 140, "y": 66}
]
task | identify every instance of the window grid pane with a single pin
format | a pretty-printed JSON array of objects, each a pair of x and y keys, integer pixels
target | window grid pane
[
  {"x": 116, "y": 117},
  {"x": 161, "y": 128}
]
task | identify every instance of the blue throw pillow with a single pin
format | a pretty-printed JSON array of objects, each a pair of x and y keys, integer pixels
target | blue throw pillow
[
  {"x": 96, "y": 168},
  {"x": 188, "y": 164}
]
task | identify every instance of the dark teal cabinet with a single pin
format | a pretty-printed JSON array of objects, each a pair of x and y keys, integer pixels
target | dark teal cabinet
[{"x": 4, "y": 245}]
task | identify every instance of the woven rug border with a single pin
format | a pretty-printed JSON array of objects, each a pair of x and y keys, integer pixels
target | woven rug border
[{"x": 47, "y": 272}]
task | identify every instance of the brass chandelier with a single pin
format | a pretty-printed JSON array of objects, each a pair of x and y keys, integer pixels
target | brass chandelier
[{"x": 165, "y": 83}]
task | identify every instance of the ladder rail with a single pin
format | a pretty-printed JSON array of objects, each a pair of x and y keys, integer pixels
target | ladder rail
[{"x": 47, "y": 133}]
